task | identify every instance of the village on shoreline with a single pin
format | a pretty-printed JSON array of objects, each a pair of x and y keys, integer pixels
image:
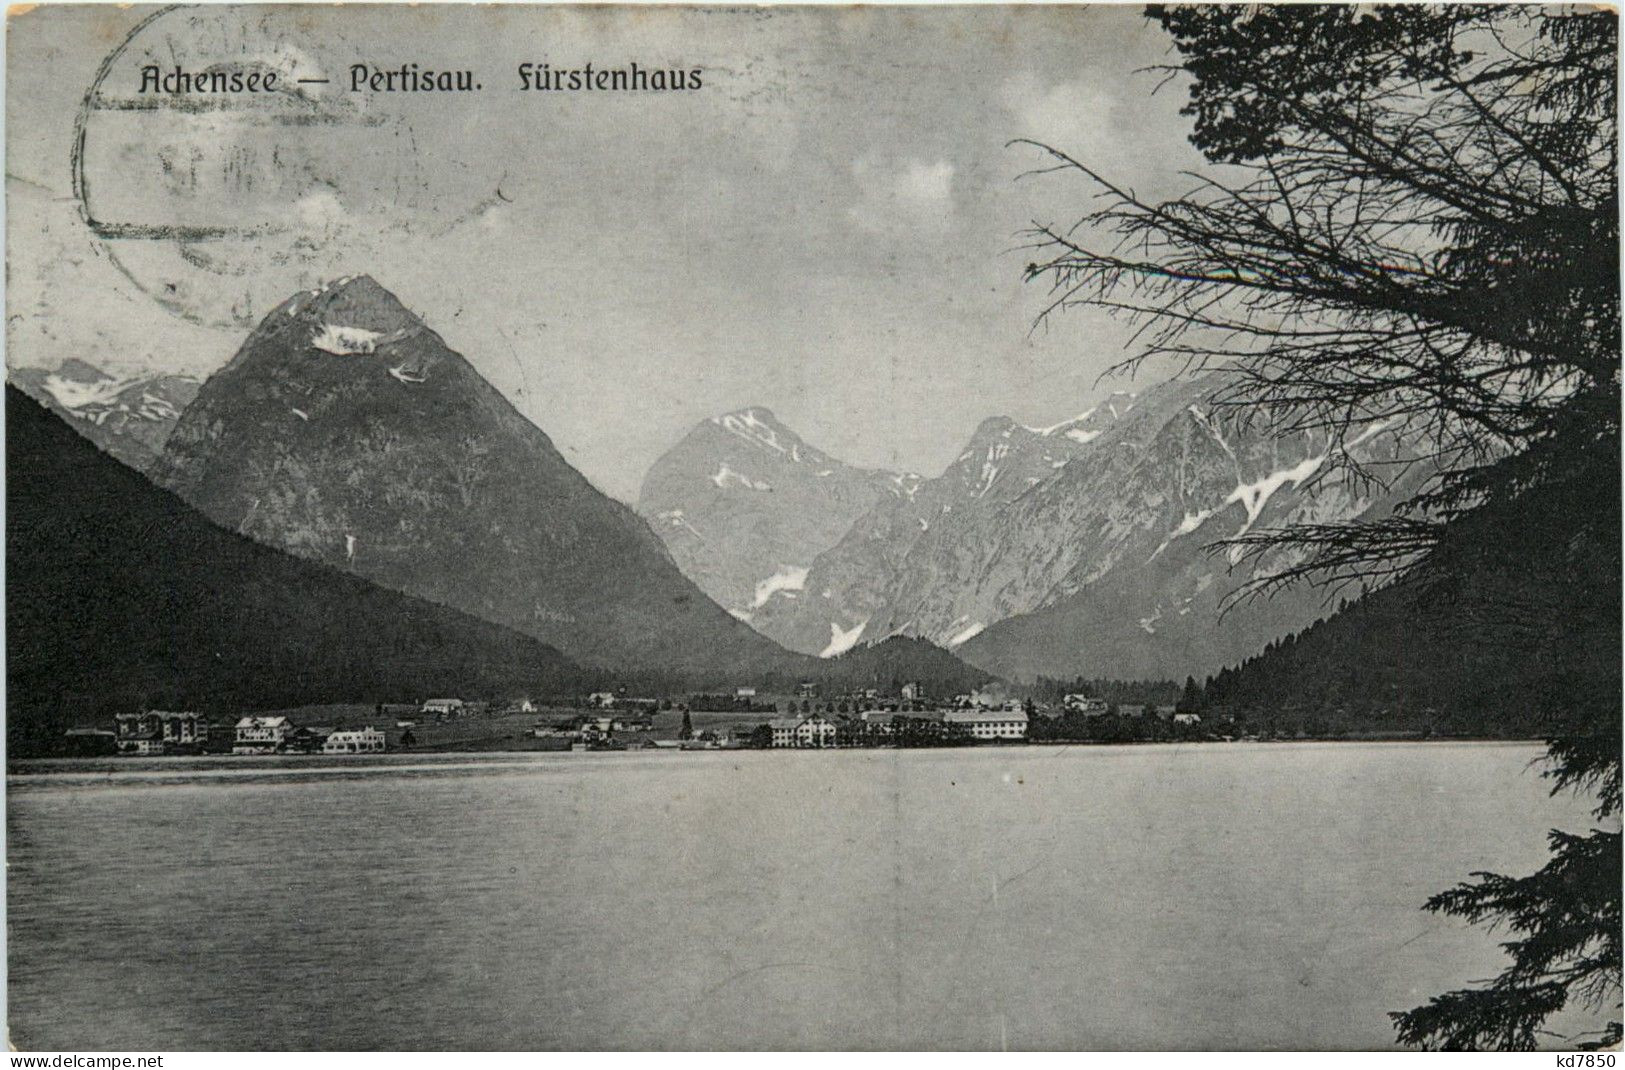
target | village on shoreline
[{"x": 903, "y": 716}]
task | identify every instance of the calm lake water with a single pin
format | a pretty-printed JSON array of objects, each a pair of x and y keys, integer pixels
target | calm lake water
[{"x": 1029, "y": 897}]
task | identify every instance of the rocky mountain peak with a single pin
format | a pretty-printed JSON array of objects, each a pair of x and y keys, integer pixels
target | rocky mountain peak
[
  {"x": 352, "y": 313},
  {"x": 757, "y": 427},
  {"x": 348, "y": 432},
  {"x": 350, "y": 317},
  {"x": 744, "y": 504},
  {"x": 752, "y": 414}
]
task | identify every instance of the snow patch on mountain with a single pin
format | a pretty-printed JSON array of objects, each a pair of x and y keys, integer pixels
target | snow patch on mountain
[
  {"x": 156, "y": 408},
  {"x": 752, "y": 428},
  {"x": 1254, "y": 496},
  {"x": 1250, "y": 496},
  {"x": 1212, "y": 429},
  {"x": 724, "y": 475},
  {"x": 789, "y": 578},
  {"x": 841, "y": 640},
  {"x": 1191, "y": 522},
  {"x": 77, "y": 394},
  {"x": 345, "y": 341},
  {"x": 966, "y": 635},
  {"x": 990, "y": 465}
]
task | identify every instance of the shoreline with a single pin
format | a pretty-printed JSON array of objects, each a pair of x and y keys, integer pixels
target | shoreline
[{"x": 154, "y": 766}]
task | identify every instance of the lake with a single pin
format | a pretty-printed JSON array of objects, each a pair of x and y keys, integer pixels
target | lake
[{"x": 1230, "y": 896}]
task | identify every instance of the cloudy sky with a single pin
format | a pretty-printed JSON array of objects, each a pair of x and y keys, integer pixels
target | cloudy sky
[{"x": 829, "y": 227}]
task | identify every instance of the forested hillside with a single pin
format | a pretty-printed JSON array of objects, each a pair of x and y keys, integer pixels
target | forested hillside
[
  {"x": 119, "y": 595},
  {"x": 1510, "y": 626}
]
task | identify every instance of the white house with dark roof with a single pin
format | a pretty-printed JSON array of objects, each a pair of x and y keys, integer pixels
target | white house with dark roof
[
  {"x": 784, "y": 730},
  {"x": 807, "y": 731},
  {"x": 815, "y": 731},
  {"x": 261, "y": 735}
]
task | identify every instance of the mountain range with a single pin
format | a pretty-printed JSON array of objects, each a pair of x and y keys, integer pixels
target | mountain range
[
  {"x": 776, "y": 518},
  {"x": 345, "y": 431},
  {"x": 130, "y": 418},
  {"x": 1072, "y": 550}
]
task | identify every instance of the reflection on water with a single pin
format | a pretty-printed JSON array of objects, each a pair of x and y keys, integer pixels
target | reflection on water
[{"x": 1030, "y": 897}]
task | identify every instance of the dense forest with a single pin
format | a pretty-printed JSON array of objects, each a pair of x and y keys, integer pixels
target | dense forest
[
  {"x": 885, "y": 666},
  {"x": 1112, "y": 692},
  {"x": 889, "y": 664},
  {"x": 1494, "y": 634}
]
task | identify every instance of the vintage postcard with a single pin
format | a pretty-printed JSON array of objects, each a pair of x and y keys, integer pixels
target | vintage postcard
[{"x": 812, "y": 527}]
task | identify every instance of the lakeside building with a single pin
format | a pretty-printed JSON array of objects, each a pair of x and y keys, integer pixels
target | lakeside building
[
  {"x": 1085, "y": 704},
  {"x": 138, "y": 733},
  {"x": 912, "y": 691},
  {"x": 158, "y": 732},
  {"x": 609, "y": 723},
  {"x": 183, "y": 731},
  {"x": 879, "y": 722},
  {"x": 303, "y": 740},
  {"x": 90, "y": 742},
  {"x": 444, "y": 707},
  {"x": 1187, "y": 718},
  {"x": 261, "y": 735},
  {"x": 366, "y": 740},
  {"x": 813, "y": 731},
  {"x": 990, "y": 724}
]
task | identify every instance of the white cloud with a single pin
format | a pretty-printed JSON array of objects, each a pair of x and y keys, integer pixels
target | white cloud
[
  {"x": 1075, "y": 117},
  {"x": 903, "y": 193},
  {"x": 320, "y": 211},
  {"x": 1127, "y": 129}
]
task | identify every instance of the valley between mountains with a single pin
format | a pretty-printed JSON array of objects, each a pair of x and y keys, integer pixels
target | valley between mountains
[
  {"x": 347, "y": 434},
  {"x": 1079, "y": 549}
]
